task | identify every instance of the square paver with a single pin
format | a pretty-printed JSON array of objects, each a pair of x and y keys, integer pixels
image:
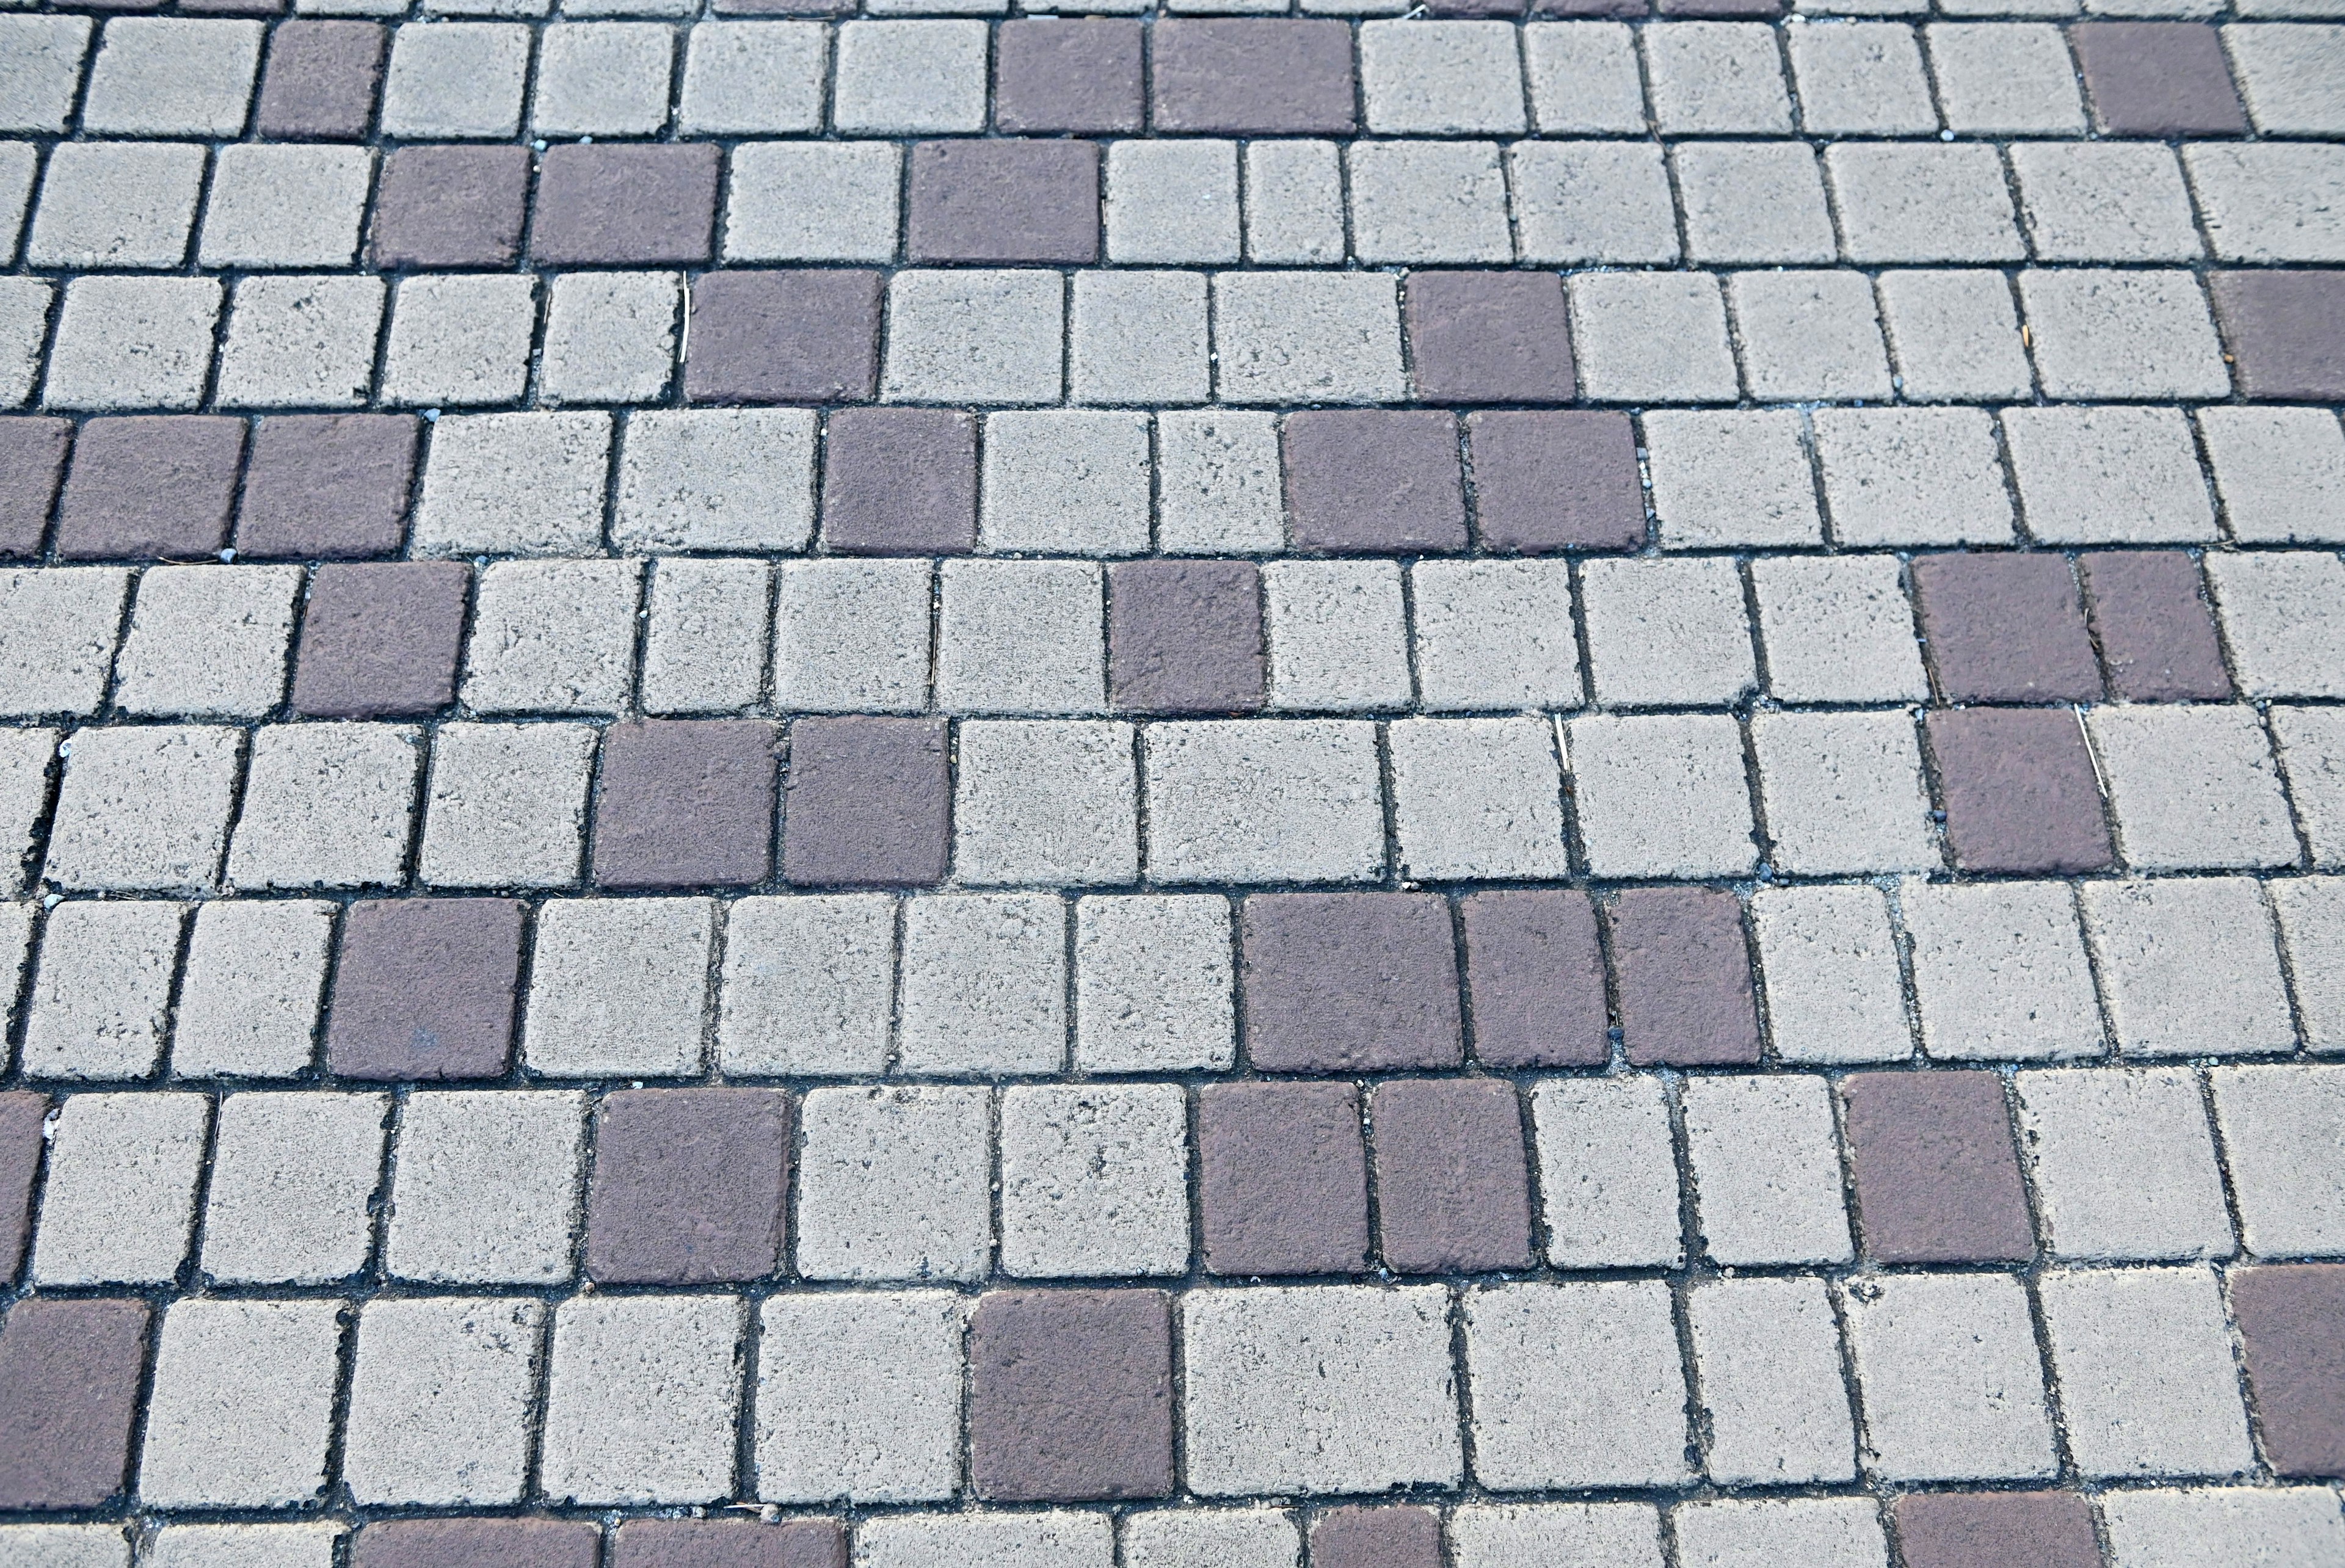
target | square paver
[
  {"x": 1065, "y": 481},
  {"x": 1374, "y": 1537},
  {"x": 1936, "y": 1179},
  {"x": 983, "y": 985},
  {"x": 72, "y": 1371},
  {"x": 1592, "y": 201},
  {"x": 2292, "y": 1363},
  {"x": 1489, "y": 338},
  {"x": 425, "y": 989},
  {"x": 2005, "y": 628},
  {"x": 1095, "y": 1177},
  {"x": 2122, "y": 1164},
  {"x": 1904, "y": 202},
  {"x": 1185, "y": 637},
  {"x": 867, "y": 803},
  {"x": 327, "y": 486},
  {"x": 1349, "y": 981},
  {"x": 2283, "y": 330},
  {"x": 772, "y": 336},
  {"x": 642, "y": 1395},
  {"x": 1683, "y": 976},
  {"x": 130, "y": 342},
  {"x": 1752, "y": 202},
  {"x": 1837, "y": 630},
  {"x": 898, "y": 78},
  {"x": 516, "y": 483},
  {"x": 635, "y": 206},
  {"x": 321, "y": 80},
  {"x": 2000, "y": 971},
  {"x": 1171, "y": 201},
  {"x": 1070, "y": 1395},
  {"x": 1722, "y": 478},
  {"x": 453, "y": 206},
  {"x": 2156, "y": 79},
  {"x": 98, "y": 1008},
  {"x": 2006, "y": 79},
  {"x": 867, "y": 1405},
  {"x": 2274, "y": 1120},
  {"x": 381, "y": 638},
  {"x": 32, "y": 466},
  {"x": 1621, "y": 1419},
  {"x": 689, "y": 1186},
  {"x": 2150, "y": 618},
  {"x": 1995, "y": 1529},
  {"x": 1808, "y": 335},
  {"x": 1374, "y": 481},
  {"x": 1258, "y": 800},
  {"x": 619, "y": 988},
  {"x": 899, "y": 480},
  {"x": 1460, "y": 77},
  {"x": 1551, "y": 482},
  {"x": 811, "y": 201},
  {"x": 1536, "y": 978},
  {"x": 983, "y": 335},
  {"x": 2147, "y": 1381},
  {"x": 242, "y": 1402},
  {"x": 1248, "y": 77},
  {"x": 1477, "y": 798},
  {"x": 2284, "y": 639},
  {"x": 1620, "y": 321},
  {"x": 2191, "y": 786},
  {"x": 1495, "y": 635},
  {"x": 2019, "y": 789},
  {"x": 893, "y": 1184},
  {"x": 1427, "y": 201},
  {"x": 1052, "y": 74},
  {"x": 172, "y": 76},
  {"x": 249, "y": 1001},
  {"x": 1608, "y": 1174},
  {"x": 1002, "y": 201},
  {"x": 2226, "y": 996},
  {"x": 1953, "y": 337},
  {"x": 1285, "y": 337},
  {"x": 2131, "y": 334},
  {"x": 685, "y": 803},
  {"x": 1283, "y": 1178},
  {"x": 2281, "y": 472},
  {"x": 506, "y": 805},
  {"x": 149, "y": 485},
  {"x": 1714, "y": 77},
  {"x": 486, "y": 1188},
  {"x": 326, "y": 805},
  {"x": 852, "y": 636},
  {"x": 2107, "y": 475},
  {"x": 142, "y": 808},
  {"x": 1661, "y": 795},
  {"x": 1952, "y": 1386},
  {"x": 292, "y": 1177},
  {"x": 554, "y": 636},
  {"x": 1452, "y": 1179},
  {"x": 207, "y": 642}
]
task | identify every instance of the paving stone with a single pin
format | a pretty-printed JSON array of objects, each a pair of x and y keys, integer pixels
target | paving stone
[
  {"x": 292, "y": 1179},
  {"x": 1318, "y": 1390},
  {"x": 1440, "y": 80},
  {"x": 327, "y": 485},
  {"x": 379, "y": 639},
  {"x": 2004, "y": 78},
  {"x": 852, "y": 636},
  {"x": 1065, "y": 481},
  {"x": 1831, "y": 965},
  {"x": 2153, "y": 1527},
  {"x": 1591, "y": 201},
  {"x": 1935, "y": 1177},
  {"x": 1050, "y": 801},
  {"x": 285, "y": 207},
  {"x": 1349, "y": 981},
  {"x": 2156, "y": 79},
  {"x": 1861, "y": 79},
  {"x": 481, "y": 464},
  {"x": 1828, "y": 1532},
  {"x": 1661, "y": 796},
  {"x": 689, "y": 1186},
  {"x": 64, "y": 1545},
  {"x": 45, "y": 55},
  {"x": 1070, "y": 1395},
  {"x": 460, "y": 1542},
  {"x": 120, "y": 1200},
  {"x": 716, "y": 479},
  {"x": 1808, "y": 335},
  {"x": 1683, "y": 976},
  {"x": 807, "y": 985},
  {"x": 628, "y": 205},
  {"x": 1617, "y": 319},
  {"x": 1947, "y": 1366},
  {"x": 979, "y": 336},
  {"x": 1094, "y": 1181},
  {"x": 2153, "y": 628},
  {"x": 2102, "y": 201},
  {"x": 1058, "y": 1538},
  {"x": 641, "y": 1395},
  {"x": 1771, "y": 1392},
  {"x": 1583, "y": 78},
  {"x": 2230, "y": 999},
  {"x": 486, "y": 1191},
  {"x": 867, "y": 803},
  {"x": 1766, "y": 1169},
  {"x": 1837, "y": 630},
  {"x": 1364, "y": 481},
  {"x": 248, "y": 1005},
  {"x": 1170, "y": 201},
  {"x": 207, "y": 642},
  {"x": 1002, "y": 201},
  {"x": 609, "y": 338},
  {"x": 1336, "y": 635},
  {"x": 1495, "y": 634},
  {"x": 1053, "y": 75},
  {"x": 2123, "y": 1166},
  {"x": 1714, "y": 77},
  {"x": 2089, "y": 476},
  {"x": 780, "y": 337},
  {"x": 2000, "y": 972},
  {"x": 1622, "y": 1421},
  {"x": 304, "y": 1545},
  {"x": 1666, "y": 632},
  {"x": 1240, "y": 1537},
  {"x": 149, "y": 486},
  {"x": 1153, "y": 983},
  {"x": 1547, "y": 481},
  {"x": 2282, "y": 75},
  {"x": 2281, "y": 472},
  {"x": 1954, "y": 335},
  {"x": 1477, "y": 798},
  {"x": 171, "y": 76},
  {"x": 983, "y": 984},
  {"x": 2274, "y": 1122},
  {"x": 56, "y": 638},
  {"x": 1229, "y": 76},
  {"x": 2122, "y": 335},
  {"x": 326, "y": 805},
  {"x": 1489, "y": 338},
  {"x": 1259, "y": 801},
  {"x": 893, "y": 1184},
  {"x": 1452, "y": 1183},
  {"x": 1316, "y": 338},
  {"x": 99, "y": 997},
  {"x": 866, "y": 1405},
  {"x": 2004, "y": 628},
  {"x": 897, "y": 78},
  {"x": 1387, "y": 1537},
  {"x": 706, "y": 651},
  {"x": 1185, "y": 637},
  {"x": 2191, "y": 787},
  {"x": 2292, "y": 1366},
  {"x": 608, "y": 78},
  {"x": 1427, "y": 201},
  {"x": 899, "y": 479},
  {"x": 1282, "y": 1180},
  {"x": 1722, "y": 478},
  {"x": 2304, "y": 906},
  {"x": 1294, "y": 202},
  {"x": 321, "y": 80},
  {"x": 116, "y": 204},
  {"x": 31, "y": 465},
  {"x": 143, "y": 808},
  {"x": 1752, "y": 201},
  {"x": 1995, "y": 1529},
  {"x": 73, "y": 1369},
  {"x": 2267, "y": 202},
  {"x": 617, "y": 987},
  {"x": 2126, "y": 1416},
  {"x": 133, "y": 343},
  {"x": 2283, "y": 641},
  {"x": 1912, "y": 476},
  {"x": 2020, "y": 790},
  {"x": 456, "y": 81},
  {"x": 722, "y": 1542},
  {"x": 1607, "y": 1172},
  {"x": 1901, "y": 202},
  {"x": 554, "y": 636},
  {"x": 2282, "y": 328},
  {"x": 450, "y": 207},
  {"x": 242, "y": 1403},
  {"x": 747, "y": 77},
  {"x": 1022, "y": 636},
  {"x": 685, "y": 803},
  {"x": 296, "y": 341},
  {"x": 463, "y": 955},
  {"x": 1489, "y": 1535}
]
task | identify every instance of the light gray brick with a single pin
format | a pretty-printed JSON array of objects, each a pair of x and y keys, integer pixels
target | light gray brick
[
  {"x": 1607, "y": 1173},
  {"x": 25, "y": 756},
  {"x": 1324, "y": 1388},
  {"x": 2107, "y": 475},
  {"x": 45, "y": 59},
  {"x": 455, "y": 81},
  {"x": 301, "y": 342},
  {"x": 859, "y": 1396},
  {"x": 851, "y": 636},
  {"x": 207, "y": 642},
  {"x": 142, "y": 343},
  {"x": 1219, "y": 487},
  {"x": 1591, "y": 201},
  {"x": 1336, "y": 635},
  {"x": 97, "y": 1008},
  {"x": 248, "y": 1005},
  {"x": 1583, "y": 78},
  {"x": 1817, "y": 1532},
  {"x": 1294, "y": 203},
  {"x": 2000, "y": 78},
  {"x": 1769, "y": 1356},
  {"x": 1524, "y": 1535},
  {"x": 440, "y": 1400},
  {"x": 1264, "y": 801},
  {"x": 1494, "y": 636},
  {"x": 2147, "y": 1386},
  {"x": 2281, "y": 620},
  {"x": 506, "y": 805},
  {"x": 1667, "y": 632},
  {"x": 715, "y": 479},
  {"x": 2193, "y": 787},
  {"x": 171, "y": 76},
  {"x": 1477, "y": 798},
  {"x": 984, "y": 985},
  {"x": 1045, "y": 802},
  {"x": 143, "y": 808},
  {"x": 1440, "y": 78},
  {"x": 486, "y": 1189},
  {"x": 1618, "y": 1420},
  {"x": 1238, "y": 1537},
  {"x": 1921, "y": 203},
  {"x": 1094, "y": 1181},
  {"x": 2188, "y": 966},
  {"x": 974, "y": 336},
  {"x": 460, "y": 339},
  {"x": 1837, "y": 629},
  {"x": 528, "y": 484},
  {"x": 892, "y": 1185},
  {"x": 326, "y": 805},
  {"x": 57, "y": 637},
  {"x": 1843, "y": 792},
  {"x": 2269, "y": 201},
  {"x": 642, "y": 1397},
  {"x": 1139, "y": 338},
  {"x": 1171, "y": 201},
  {"x": 2122, "y": 334},
  {"x": 1912, "y": 476},
  {"x": 810, "y": 201},
  {"x": 1808, "y": 336},
  {"x": 1059, "y": 1539},
  {"x": 1999, "y": 972},
  {"x": 120, "y": 1198},
  {"x": 898, "y": 78},
  {"x": 1863, "y": 78},
  {"x": 24, "y": 328},
  {"x": 1307, "y": 338},
  {"x": 1951, "y": 1387},
  {"x": 2312, "y": 920},
  {"x": 807, "y": 985},
  {"x": 617, "y": 987},
  {"x": 1730, "y": 477},
  {"x": 2167, "y": 1529},
  {"x": 1713, "y": 76},
  {"x": 307, "y": 1545},
  {"x": 286, "y": 205},
  {"x": 2287, "y": 78},
  {"x": 706, "y": 651},
  {"x": 1766, "y": 1169},
  {"x": 1065, "y": 481},
  {"x": 2312, "y": 754},
  {"x": 602, "y": 78},
  {"x": 1652, "y": 338},
  {"x": 1954, "y": 335},
  {"x": 760, "y": 76},
  {"x": 1661, "y": 795},
  {"x": 1752, "y": 202},
  {"x": 1154, "y": 982},
  {"x": 2281, "y": 472},
  {"x": 19, "y": 161},
  {"x": 555, "y": 636},
  {"x": 610, "y": 338},
  {"x": 117, "y": 205},
  {"x": 64, "y": 1545},
  {"x": 2281, "y": 1128},
  {"x": 242, "y": 1403},
  {"x": 1830, "y": 964},
  {"x": 2122, "y": 1164},
  {"x": 1021, "y": 637},
  {"x": 2105, "y": 201},
  {"x": 292, "y": 1177}
]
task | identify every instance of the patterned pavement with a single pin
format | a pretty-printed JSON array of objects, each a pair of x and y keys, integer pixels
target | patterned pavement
[{"x": 784, "y": 786}]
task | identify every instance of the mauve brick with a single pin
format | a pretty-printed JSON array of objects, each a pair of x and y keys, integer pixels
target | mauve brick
[
  {"x": 320, "y": 82},
  {"x": 1350, "y": 982},
  {"x": 728, "y": 1543},
  {"x": 438, "y": 206},
  {"x": 424, "y": 989},
  {"x": 1247, "y": 76},
  {"x": 1534, "y": 979},
  {"x": 1070, "y": 1395},
  {"x": 21, "y": 1115},
  {"x": 1720, "y": 9},
  {"x": 327, "y": 486},
  {"x": 1283, "y": 1178},
  {"x": 476, "y": 1543},
  {"x": 2018, "y": 789},
  {"x": 1549, "y": 481},
  {"x": 2292, "y": 1319},
  {"x": 900, "y": 482},
  {"x": 784, "y": 337},
  {"x": 150, "y": 485},
  {"x": 1002, "y": 199},
  {"x": 1374, "y": 478},
  {"x": 2156, "y": 79},
  {"x": 1185, "y": 637},
  {"x": 1053, "y": 75},
  {"x": 1684, "y": 973},
  {"x": 32, "y": 462},
  {"x": 1489, "y": 338},
  {"x": 1628, "y": 9},
  {"x": 1381, "y": 1537},
  {"x": 2287, "y": 330},
  {"x": 625, "y": 205},
  {"x": 2157, "y": 634},
  {"x": 68, "y": 1386},
  {"x": 2005, "y": 628},
  {"x": 685, "y": 803},
  {"x": 1446, "y": 10},
  {"x": 381, "y": 638},
  {"x": 867, "y": 803},
  {"x": 1996, "y": 1530},
  {"x": 1936, "y": 1179},
  {"x": 1453, "y": 1189},
  {"x": 690, "y": 1186}
]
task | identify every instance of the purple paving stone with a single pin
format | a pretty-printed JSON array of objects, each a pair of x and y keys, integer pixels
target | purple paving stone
[
  {"x": 867, "y": 803},
  {"x": 327, "y": 486},
  {"x": 1055, "y": 75},
  {"x": 150, "y": 485},
  {"x": 32, "y": 462},
  {"x": 1349, "y": 982},
  {"x": 1467, "y": 10},
  {"x": 1282, "y": 1179},
  {"x": 1489, "y": 338},
  {"x": 379, "y": 638},
  {"x": 784, "y": 337},
  {"x": 1551, "y": 482},
  {"x": 900, "y": 482},
  {"x": 21, "y": 1115},
  {"x": 2157, "y": 634},
  {"x": 1070, "y": 1395},
  {"x": 2292, "y": 1319},
  {"x": 2156, "y": 79},
  {"x": 1376, "y": 1537},
  {"x": 320, "y": 82},
  {"x": 69, "y": 1375},
  {"x": 728, "y": 1543},
  {"x": 1534, "y": 979},
  {"x": 425, "y": 989},
  {"x": 2018, "y": 788},
  {"x": 1374, "y": 478},
  {"x": 1004, "y": 199},
  {"x": 685, "y": 803},
  {"x": 2287, "y": 331},
  {"x": 1252, "y": 77},
  {"x": 1626, "y": 9},
  {"x": 440, "y": 207},
  {"x": 1185, "y": 637},
  {"x": 690, "y": 1186},
  {"x": 1453, "y": 1187},
  {"x": 476, "y": 1543},
  {"x": 1714, "y": 10},
  {"x": 1684, "y": 975},
  {"x": 1996, "y": 1530},
  {"x": 1936, "y": 1178},
  {"x": 2005, "y": 628},
  {"x": 631, "y": 206}
]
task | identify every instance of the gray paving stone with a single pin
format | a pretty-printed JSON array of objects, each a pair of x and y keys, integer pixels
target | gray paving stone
[
  {"x": 1060, "y": 1539},
  {"x": 1153, "y": 983},
  {"x": 1620, "y": 320},
  {"x": 2188, "y": 967},
  {"x": 851, "y": 636},
  {"x": 1728, "y": 478},
  {"x": 99, "y": 996},
  {"x": 1426, "y": 201},
  {"x": 1494, "y": 636},
  {"x": 242, "y": 1402},
  {"x": 1608, "y": 1173},
  {"x": 2122, "y": 1165},
  {"x": 1954, "y": 335},
  {"x": 1752, "y": 202},
  {"x": 1808, "y": 336},
  {"x": 172, "y": 76},
  {"x": 486, "y": 1189},
  {"x": 306, "y": 1546},
  {"x": 1065, "y": 481},
  {"x": 291, "y": 1180},
  {"x": 2000, "y": 972},
  {"x": 617, "y": 987},
  {"x": 2105, "y": 201},
  {"x": 301, "y": 342},
  {"x": 1583, "y": 78},
  {"x": 56, "y": 638},
  {"x": 143, "y": 808},
  {"x": 1620, "y": 1423},
  {"x": 478, "y": 464},
  {"x": 2192, "y": 787},
  {"x": 2312, "y": 754},
  {"x": 1766, "y": 1169},
  {"x": 1477, "y": 798},
  {"x": 1716, "y": 76},
  {"x": 2005, "y": 78},
  {"x": 1307, "y": 338},
  {"x": 1046, "y": 802},
  {"x": 1661, "y": 795},
  {"x": 602, "y": 78},
  {"x": 207, "y": 642},
  {"x": 120, "y": 1198},
  {"x": 2285, "y": 638},
  {"x": 1336, "y": 635},
  {"x": 45, "y": 55},
  {"x": 746, "y": 76},
  {"x": 1843, "y": 792},
  {"x": 642, "y": 1397},
  {"x": 1921, "y": 203},
  {"x": 2122, "y": 335},
  {"x": 247, "y": 1004},
  {"x": 2277, "y": 1122},
  {"x": 715, "y": 479},
  {"x": 983, "y": 985},
  {"x": 810, "y": 201},
  {"x": 865, "y": 1405},
  {"x": 2155, "y": 1528},
  {"x": 439, "y": 1398},
  {"x": 2287, "y": 74},
  {"x": 1863, "y": 78},
  {"x": 1240, "y": 1537},
  {"x": 2280, "y": 474},
  {"x": 1094, "y": 1181},
  {"x": 326, "y": 805},
  {"x": 455, "y": 82},
  {"x": 1830, "y": 963},
  {"x": 460, "y": 340},
  {"x": 2308, "y": 909},
  {"x": 900, "y": 77},
  {"x": 1219, "y": 489},
  {"x": 892, "y": 1185},
  {"x": 2147, "y": 1383},
  {"x": 1591, "y": 201},
  {"x": 1668, "y": 632},
  {"x": 706, "y": 651},
  {"x": 132, "y": 343},
  {"x": 1912, "y": 476},
  {"x": 807, "y": 985},
  {"x": 2268, "y": 201},
  {"x": 1825, "y": 1532},
  {"x": 1522, "y": 1536},
  {"x": 554, "y": 636},
  {"x": 506, "y": 805},
  {"x": 1947, "y": 1370},
  {"x": 285, "y": 206},
  {"x": 1776, "y": 1410},
  {"x": 117, "y": 205},
  {"x": 1440, "y": 80},
  {"x": 610, "y": 338},
  {"x": 974, "y": 337},
  {"x": 1138, "y": 338},
  {"x": 64, "y": 1545},
  {"x": 2107, "y": 475},
  {"x": 1837, "y": 629},
  {"x": 1021, "y": 637},
  {"x": 1173, "y": 201},
  {"x": 1294, "y": 203},
  {"x": 1262, "y": 801}
]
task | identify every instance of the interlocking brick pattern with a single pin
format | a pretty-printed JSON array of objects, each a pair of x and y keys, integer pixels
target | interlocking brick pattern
[{"x": 1171, "y": 783}]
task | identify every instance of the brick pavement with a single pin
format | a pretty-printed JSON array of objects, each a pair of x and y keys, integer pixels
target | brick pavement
[{"x": 784, "y": 785}]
